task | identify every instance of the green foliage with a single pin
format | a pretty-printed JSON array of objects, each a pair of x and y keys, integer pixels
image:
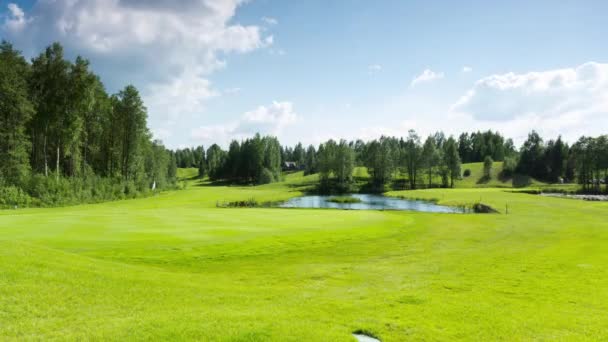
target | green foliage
[
  {"x": 344, "y": 199},
  {"x": 336, "y": 163},
  {"x": 216, "y": 159},
  {"x": 509, "y": 166},
  {"x": 13, "y": 197},
  {"x": 379, "y": 156},
  {"x": 476, "y": 146},
  {"x": 591, "y": 159},
  {"x": 266, "y": 177},
  {"x": 311, "y": 161},
  {"x": 531, "y": 159},
  {"x": 256, "y": 160},
  {"x": 57, "y": 121},
  {"x": 487, "y": 167},
  {"x": 250, "y": 203},
  {"x": 481, "y": 208},
  {"x": 451, "y": 160},
  {"x": 15, "y": 112}
]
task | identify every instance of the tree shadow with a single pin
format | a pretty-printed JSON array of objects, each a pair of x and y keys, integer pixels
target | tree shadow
[
  {"x": 521, "y": 181},
  {"x": 484, "y": 180}
]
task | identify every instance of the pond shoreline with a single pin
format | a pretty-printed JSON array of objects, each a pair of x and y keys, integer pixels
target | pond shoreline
[
  {"x": 592, "y": 198},
  {"x": 370, "y": 202}
]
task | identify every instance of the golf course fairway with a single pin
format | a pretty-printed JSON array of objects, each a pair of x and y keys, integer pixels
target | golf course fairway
[{"x": 176, "y": 267}]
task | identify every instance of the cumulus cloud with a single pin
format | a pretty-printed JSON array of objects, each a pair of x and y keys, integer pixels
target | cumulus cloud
[
  {"x": 466, "y": 69},
  {"x": 166, "y": 48},
  {"x": 582, "y": 91},
  {"x": 264, "y": 120},
  {"x": 571, "y": 101},
  {"x": 16, "y": 21},
  {"x": 179, "y": 96},
  {"x": 426, "y": 76},
  {"x": 161, "y": 133}
]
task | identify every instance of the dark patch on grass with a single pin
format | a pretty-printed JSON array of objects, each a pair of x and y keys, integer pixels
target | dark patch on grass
[
  {"x": 521, "y": 181},
  {"x": 367, "y": 333},
  {"x": 484, "y": 180},
  {"x": 480, "y": 208}
]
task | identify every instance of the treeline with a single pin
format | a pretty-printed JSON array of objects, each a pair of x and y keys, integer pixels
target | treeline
[
  {"x": 406, "y": 162},
  {"x": 387, "y": 160},
  {"x": 190, "y": 157},
  {"x": 556, "y": 161},
  {"x": 64, "y": 140},
  {"x": 436, "y": 162},
  {"x": 476, "y": 146},
  {"x": 256, "y": 160}
]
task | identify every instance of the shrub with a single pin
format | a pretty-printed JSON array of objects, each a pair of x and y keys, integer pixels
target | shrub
[
  {"x": 11, "y": 197},
  {"x": 250, "y": 203},
  {"x": 266, "y": 177},
  {"x": 481, "y": 208},
  {"x": 521, "y": 181},
  {"x": 130, "y": 189},
  {"x": 344, "y": 199},
  {"x": 508, "y": 166},
  {"x": 487, "y": 167}
]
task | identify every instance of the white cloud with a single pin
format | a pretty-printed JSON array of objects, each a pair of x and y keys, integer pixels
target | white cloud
[
  {"x": 278, "y": 114},
  {"x": 213, "y": 134},
  {"x": 426, "y": 76},
  {"x": 270, "y": 119},
  {"x": 571, "y": 101},
  {"x": 161, "y": 133},
  {"x": 17, "y": 21},
  {"x": 166, "y": 48},
  {"x": 374, "y": 68},
  {"x": 466, "y": 69},
  {"x": 179, "y": 97},
  {"x": 270, "y": 21}
]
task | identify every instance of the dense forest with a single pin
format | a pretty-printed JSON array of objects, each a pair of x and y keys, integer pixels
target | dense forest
[
  {"x": 64, "y": 140},
  {"x": 406, "y": 162}
]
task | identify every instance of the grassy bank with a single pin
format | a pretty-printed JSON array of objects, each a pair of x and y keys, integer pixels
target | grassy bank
[{"x": 175, "y": 267}]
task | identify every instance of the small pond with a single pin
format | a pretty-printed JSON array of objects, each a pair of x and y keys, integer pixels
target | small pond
[{"x": 369, "y": 202}]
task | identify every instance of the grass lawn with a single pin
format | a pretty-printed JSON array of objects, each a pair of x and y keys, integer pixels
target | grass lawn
[
  {"x": 175, "y": 267},
  {"x": 476, "y": 178}
]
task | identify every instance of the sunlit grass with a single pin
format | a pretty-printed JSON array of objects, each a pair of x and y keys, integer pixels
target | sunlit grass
[{"x": 175, "y": 267}]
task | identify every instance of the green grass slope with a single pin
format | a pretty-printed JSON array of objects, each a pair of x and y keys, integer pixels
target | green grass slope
[
  {"x": 476, "y": 179},
  {"x": 175, "y": 267}
]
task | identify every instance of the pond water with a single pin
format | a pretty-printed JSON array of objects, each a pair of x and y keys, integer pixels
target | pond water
[{"x": 369, "y": 202}]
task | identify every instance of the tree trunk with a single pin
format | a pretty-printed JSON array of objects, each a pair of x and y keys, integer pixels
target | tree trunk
[
  {"x": 34, "y": 141},
  {"x": 57, "y": 165},
  {"x": 46, "y": 161}
]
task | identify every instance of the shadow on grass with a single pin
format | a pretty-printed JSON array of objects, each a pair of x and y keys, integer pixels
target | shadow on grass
[{"x": 484, "y": 180}]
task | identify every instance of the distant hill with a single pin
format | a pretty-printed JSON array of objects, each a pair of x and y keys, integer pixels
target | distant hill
[{"x": 476, "y": 180}]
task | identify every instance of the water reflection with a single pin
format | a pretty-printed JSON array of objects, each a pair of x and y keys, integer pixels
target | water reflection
[{"x": 369, "y": 202}]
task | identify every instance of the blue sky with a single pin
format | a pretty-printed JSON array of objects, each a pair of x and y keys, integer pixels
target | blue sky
[{"x": 214, "y": 70}]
